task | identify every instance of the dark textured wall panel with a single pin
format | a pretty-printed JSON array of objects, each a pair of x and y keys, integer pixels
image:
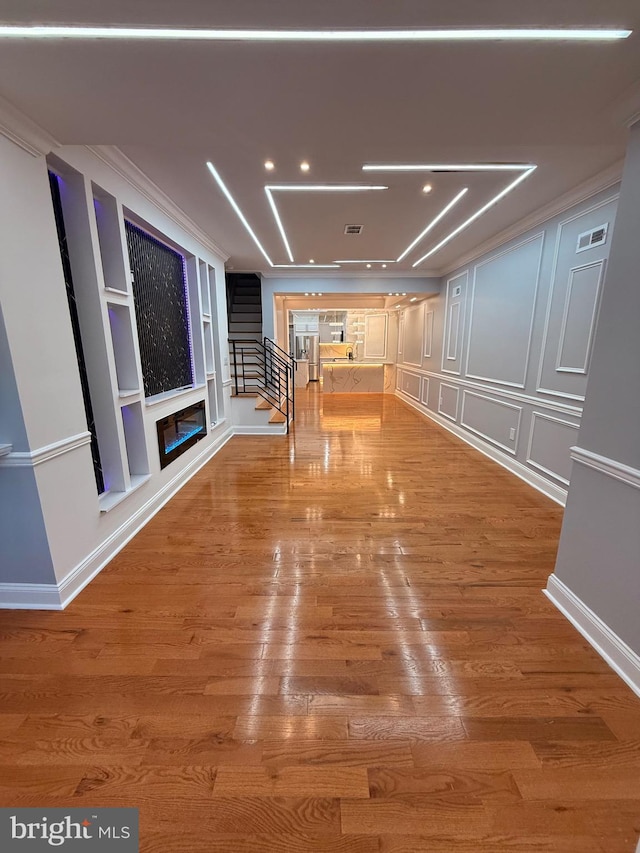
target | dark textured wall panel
[{"x": 161, "y": 312}]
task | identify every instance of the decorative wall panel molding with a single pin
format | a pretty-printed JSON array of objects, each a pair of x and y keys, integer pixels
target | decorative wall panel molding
[
  {"x": 549, "y": 447},
  {"x": 448, "y": 401},
  {"x": 499, "y": 345},
  {"x": 428, "y": 333},
  {"x": 624, "y": 473},
  {"x": 579, "y": 318},
  {"x": 569, "y": 384},
  {"x": 424, "y": 393},
  {"x": 29, "y": 459},
  {"x": 499, "y": 418},
  {"x": 454, "y": 313}
]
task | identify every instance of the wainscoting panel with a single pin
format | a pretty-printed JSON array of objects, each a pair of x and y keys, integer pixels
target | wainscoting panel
[
  {"x": 448, "y": 401},
  {"x": 550, "y": 443},
  {"x": 579, "y": 318},
  {"x": 454, "y": 323},
  {"x": 493, "y": 420}
]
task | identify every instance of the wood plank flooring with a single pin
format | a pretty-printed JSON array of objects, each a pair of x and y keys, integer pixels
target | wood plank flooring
[{"x": 331, "y": 641}]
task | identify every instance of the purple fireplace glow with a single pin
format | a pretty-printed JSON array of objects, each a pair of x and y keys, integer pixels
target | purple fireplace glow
[{"x": 180, "y": 431}]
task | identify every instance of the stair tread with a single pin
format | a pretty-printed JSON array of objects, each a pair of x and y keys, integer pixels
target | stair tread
[
  {"x": 277, "y": 418},
  {"x": 263, "y": 404}
]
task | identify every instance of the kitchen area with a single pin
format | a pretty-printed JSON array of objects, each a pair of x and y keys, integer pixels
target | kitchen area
[{"x": 346, "y": 351}]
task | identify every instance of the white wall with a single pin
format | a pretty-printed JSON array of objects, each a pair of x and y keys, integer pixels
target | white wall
[
  {"x": 48, "y": 479},
  {"x": 501, "y": 356}
]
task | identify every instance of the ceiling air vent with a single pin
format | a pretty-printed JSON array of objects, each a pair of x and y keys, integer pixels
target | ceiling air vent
[
  {"x": 595, "y": 237},
  {"x": 353, "y": 229}
]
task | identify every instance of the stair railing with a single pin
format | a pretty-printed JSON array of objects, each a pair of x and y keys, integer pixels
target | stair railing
[{"x": 265, "y": 369}]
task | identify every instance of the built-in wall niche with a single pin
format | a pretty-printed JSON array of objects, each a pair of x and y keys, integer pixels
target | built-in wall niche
[
  {"x": 111, "y": 240},
  {"x": 180, "y": 431},
  {"x": 135, "y": 441},
  {"x": 124, "y": 352},
  {"x": 212, "y": 399}
]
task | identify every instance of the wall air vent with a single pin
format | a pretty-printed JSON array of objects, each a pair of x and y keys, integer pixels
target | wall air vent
[
  {"x": 595, "y": 237},
  {"x": 353, "y": 229}
]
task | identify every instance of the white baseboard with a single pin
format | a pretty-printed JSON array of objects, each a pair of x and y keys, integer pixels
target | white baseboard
[
  {"x": 609, "y": 646},
  {"x": 263, "y": 429},
  {"x": 29, "y": 596},
  {"x": 556, "y": 493},
  {"x": 58, "y": 596}
]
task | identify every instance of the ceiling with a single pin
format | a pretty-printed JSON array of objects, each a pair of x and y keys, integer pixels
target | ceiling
[{"x": 173, "y": 106}]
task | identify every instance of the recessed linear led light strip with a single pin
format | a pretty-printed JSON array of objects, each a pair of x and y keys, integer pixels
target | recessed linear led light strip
[
  {"x": 525, "y": 170},
  {"x": 433, "y": 223},
  {"x": 318, "y": 188},
  {"x": 365, "y": 261},
  {"x": 476, "y": 215},
  {"x": 344, "y": 35},
  {"x": 237, "y": 210}
]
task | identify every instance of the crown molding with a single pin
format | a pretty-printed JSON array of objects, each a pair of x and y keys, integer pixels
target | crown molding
[
  {"x": 118, "y": 162},
  {"x": 330, "y": 275},
  {"x": 598, "y": 183},
  {"x": 24, "y": 132}
]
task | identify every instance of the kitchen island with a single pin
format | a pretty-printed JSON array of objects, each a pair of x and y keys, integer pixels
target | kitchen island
[{"x": 353, "y": 377}]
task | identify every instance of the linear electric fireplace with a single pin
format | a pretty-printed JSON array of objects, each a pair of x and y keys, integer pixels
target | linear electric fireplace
[{"x": 180, "y": 431}]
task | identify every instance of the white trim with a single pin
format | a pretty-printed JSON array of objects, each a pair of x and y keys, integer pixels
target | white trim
[
  {"x": 118, "y": 162},
  {"x": 616, "y": 470},
  {"x": 428, "y": 332},
  {"x": 29, "y": 596},
  {"x": 573, "y": 411},
  {"x": 24, "y": 132},
  {"x": 447, "y": 325},
  {"x": 518, "y": 409},
  {"x": 57, "y": 597},
  {"x": 539, "y": 236},
  {"x": 532, "y": 428},
  {"x": 263, "y": 429},
  {"x": 412, "y": 309},
  {"x": 417, "y": 376},
  {"x": 620, "y": 657},
  {"x": 555, "y": 493},
  {"x": 598, "y": 183},
  {"x": 450, "y": 335},
  {"x": 227, "y": 382},
  {"x": 31, "y": 458},
  {"x": 453, "y": 388},
  {"x": 594, "y": 318},
  {"x": 424, "y": 390},
  {"x": 552, "y": 288}
]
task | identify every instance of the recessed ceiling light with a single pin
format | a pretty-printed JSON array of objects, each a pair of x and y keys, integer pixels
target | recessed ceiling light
[
  {"x": 368, "y": 266},
  {"x": 306, "y": 294},
  {"x": 427, "y": 188},
  {"x": 304, "y": 166},
  {"x": 313, "y": 294},
  {"x": 237, "y": 210},
  {"x": 404, "y": 294},
  {"x": 413, "y": 299},
  {"x": 82, "y": 32},
  {"x": 311, "y": 261},
  {"x": 319, "y": 294},
  {"x": 477, "y": 214},
  {"x": 433, "y": 223},
  {"x": 269, "y": 165},
  {"x": 384, "y": 266},
  {"x": 389, "y": 294},
  {"x": 397, "y": 306}
]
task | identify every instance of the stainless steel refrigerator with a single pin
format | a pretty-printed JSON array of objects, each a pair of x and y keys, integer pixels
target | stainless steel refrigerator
[{"x": 308, "y": 347}]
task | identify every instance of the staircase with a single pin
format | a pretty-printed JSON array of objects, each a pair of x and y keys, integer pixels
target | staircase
[
  {"x": 244, "y": 306},
  {"x": 259, "y": 369}
]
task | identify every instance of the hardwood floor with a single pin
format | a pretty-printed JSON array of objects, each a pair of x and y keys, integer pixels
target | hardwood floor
[{"x": 332, "y": 641}]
